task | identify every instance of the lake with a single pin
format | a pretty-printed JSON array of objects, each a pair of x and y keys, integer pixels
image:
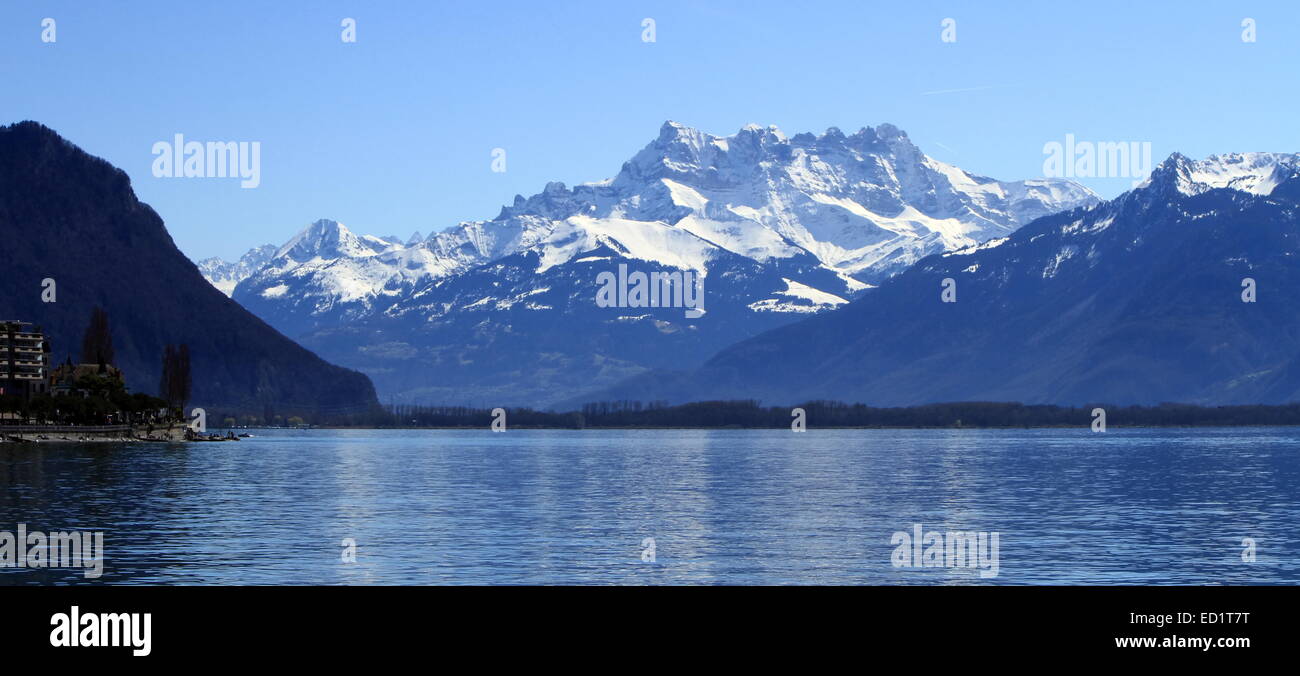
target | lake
[{"x": 1067, "y": 506}]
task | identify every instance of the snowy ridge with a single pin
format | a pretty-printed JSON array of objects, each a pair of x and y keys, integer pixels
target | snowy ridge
[
  {"x": 865, "y": 205},
  {"x": 227, "y": 275},
  {"x": 1143, "y": 299},
  {"x": 1255, "y": 173},
  {"x": 774, "y": 227}
]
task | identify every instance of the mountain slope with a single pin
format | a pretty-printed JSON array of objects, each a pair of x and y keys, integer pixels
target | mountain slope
[
  {"x": 777, "y": 227},
  {"x": 73, "y": 218},
  {"x": 1137, "y": 300},
  {"x": 227, "y": 275}
]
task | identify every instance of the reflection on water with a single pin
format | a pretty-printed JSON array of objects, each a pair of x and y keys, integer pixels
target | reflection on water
[{"x": 730, "y": 507}]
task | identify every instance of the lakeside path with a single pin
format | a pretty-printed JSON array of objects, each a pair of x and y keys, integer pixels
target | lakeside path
[{"x": 174, "y": 432}]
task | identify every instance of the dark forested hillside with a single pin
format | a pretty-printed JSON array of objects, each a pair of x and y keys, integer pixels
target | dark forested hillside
[{"x": 73, "y": 218}]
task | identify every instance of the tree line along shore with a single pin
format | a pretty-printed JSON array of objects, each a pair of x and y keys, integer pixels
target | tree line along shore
[
  {"x": 715, "y": 415},
  {"x": 750, "y": 414}
]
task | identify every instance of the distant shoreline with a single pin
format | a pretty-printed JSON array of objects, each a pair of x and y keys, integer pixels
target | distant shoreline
[
  {"x": 177, "y": 436},
  {"x": 751, "y": 414},
  {"x": 738, "y": 428}
]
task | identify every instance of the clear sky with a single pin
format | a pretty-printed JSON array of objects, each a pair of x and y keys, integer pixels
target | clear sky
[{"x": 394, "y": 133}]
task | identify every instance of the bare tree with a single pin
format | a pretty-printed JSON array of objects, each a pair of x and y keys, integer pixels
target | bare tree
[
  {"x": 176, "y": 383},
  {"x": 97, "y": 343},
  {"x": 168, "y": 376},
  {"x": 184, "y": 383}
]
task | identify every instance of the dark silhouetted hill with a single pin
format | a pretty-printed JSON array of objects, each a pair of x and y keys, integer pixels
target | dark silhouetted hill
[{"x": 74, "y": 218}]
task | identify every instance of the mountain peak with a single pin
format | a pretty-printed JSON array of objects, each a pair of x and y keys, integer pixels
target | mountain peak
[
  {"x": 34, "y": 144},
  {"x": 764, "y": 136},
  {"x": 324, "y": 237},
  {"x": 1252, "y": 172},
  {"x": 327, "y": 228},
  {"x": 673, "y": 131},
  {"x": 34, "y": 129},
  {"x": 888, "y": 131},
  {"x": 832, "y": 134},
  {"x": 226, "y": 275}
]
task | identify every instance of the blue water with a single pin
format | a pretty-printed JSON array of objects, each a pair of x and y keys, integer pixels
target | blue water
[{"x": 1168, "y": 506}]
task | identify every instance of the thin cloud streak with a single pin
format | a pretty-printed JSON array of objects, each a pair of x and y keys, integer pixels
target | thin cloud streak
[{"x": 953, "y": 91}]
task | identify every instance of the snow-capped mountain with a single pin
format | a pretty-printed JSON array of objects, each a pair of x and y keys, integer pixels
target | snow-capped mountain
[
  {"x": 1256, "y": 173},
  {"x": 1179, "y": 290},
  {"x": 777, "y": 227},
  {"x": 226, "y": 275},
  {"x": 327, "y": 274}
]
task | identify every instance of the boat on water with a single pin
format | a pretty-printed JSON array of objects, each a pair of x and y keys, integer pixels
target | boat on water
[{"x": 196, "y": 436}]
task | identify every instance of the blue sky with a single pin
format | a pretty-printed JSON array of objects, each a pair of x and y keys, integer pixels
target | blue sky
[{"x": 394, "y": 133}]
